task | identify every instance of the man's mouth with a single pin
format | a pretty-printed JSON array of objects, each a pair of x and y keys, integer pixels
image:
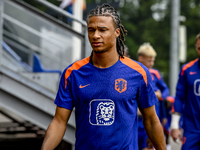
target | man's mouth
[{"x": 96, "y": 44}]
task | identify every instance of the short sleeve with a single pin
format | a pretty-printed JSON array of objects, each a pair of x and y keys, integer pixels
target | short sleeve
[
  {"x": 64, "y": 94},
  {"x": 147, "y": 97}
]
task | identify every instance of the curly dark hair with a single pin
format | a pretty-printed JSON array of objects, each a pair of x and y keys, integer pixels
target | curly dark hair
[{"x": 107, "y": 10}]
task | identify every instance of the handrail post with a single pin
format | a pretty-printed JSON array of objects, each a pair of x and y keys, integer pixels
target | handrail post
[
  {"x": 1, "y": 29},
  {"x": 174, "y": 45}
]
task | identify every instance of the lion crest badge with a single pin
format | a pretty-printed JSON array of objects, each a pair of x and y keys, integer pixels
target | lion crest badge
[{"x": 102, "y": 112}]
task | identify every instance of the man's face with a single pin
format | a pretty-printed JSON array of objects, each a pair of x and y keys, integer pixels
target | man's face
[
  {"x": 147, "y": 61},
  {"x": 198, "y": 47},
  {"x": 102, "y": 33}
]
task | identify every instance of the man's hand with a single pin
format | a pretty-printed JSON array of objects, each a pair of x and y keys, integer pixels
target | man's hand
[
  {"x": 138, "y": 112},
  {"x": 176, "y": 134},
  {"x": 164, "y": 121},
  {"x": 158, "y": 94},
  {"x": 149, "y": 144}
]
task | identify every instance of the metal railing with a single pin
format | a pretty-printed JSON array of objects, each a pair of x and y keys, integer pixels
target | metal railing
[
  {"x": 25, "y": 30},
  {"x": 28, "y": 30}
]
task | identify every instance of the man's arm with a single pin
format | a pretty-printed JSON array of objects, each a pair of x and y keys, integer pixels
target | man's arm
[
  {"x": 163, "y": 87},
  {"x": 181, "y": 94},
  {"x": 175, "y": 132},
  {"x": 158, "y": 94},
  {"x": 138, "y": 112},
  {"x": 56, "y": 129},
  {"x": 153, "y": 128}
]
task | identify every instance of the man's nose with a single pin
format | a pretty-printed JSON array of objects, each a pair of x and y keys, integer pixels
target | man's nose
[{"x": 96, "y": 34}]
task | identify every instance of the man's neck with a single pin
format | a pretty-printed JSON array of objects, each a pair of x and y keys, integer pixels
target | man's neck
[{"x": 105, "y": 60}]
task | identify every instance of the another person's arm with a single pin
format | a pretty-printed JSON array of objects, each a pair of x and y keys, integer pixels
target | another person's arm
[
  {"x": 153, "y": 128},
  {"x": 163, "y": 87},
  {"x": 56, "y": 129},
  {"x": 175, "y": 132},
  {"x": 178, "y": 105},
  {"x": 158, "y": 94},
  {"x": 138, "y": 112}
]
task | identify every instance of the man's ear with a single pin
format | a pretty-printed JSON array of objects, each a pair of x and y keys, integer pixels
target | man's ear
[
  {"x": 140, "y": 58},
  {"x": 117, "y": 32}
]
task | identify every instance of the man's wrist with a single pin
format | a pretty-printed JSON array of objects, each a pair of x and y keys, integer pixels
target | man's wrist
[{"x": 175, "y": 121}]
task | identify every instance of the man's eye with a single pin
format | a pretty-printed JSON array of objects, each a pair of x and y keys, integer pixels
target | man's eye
[{"x": 90, "y": 30}]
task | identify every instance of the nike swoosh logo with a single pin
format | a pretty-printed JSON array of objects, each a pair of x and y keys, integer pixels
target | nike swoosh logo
[
  {"x": 191, "y": 73},
  {"x": 82, "y": 86}
]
